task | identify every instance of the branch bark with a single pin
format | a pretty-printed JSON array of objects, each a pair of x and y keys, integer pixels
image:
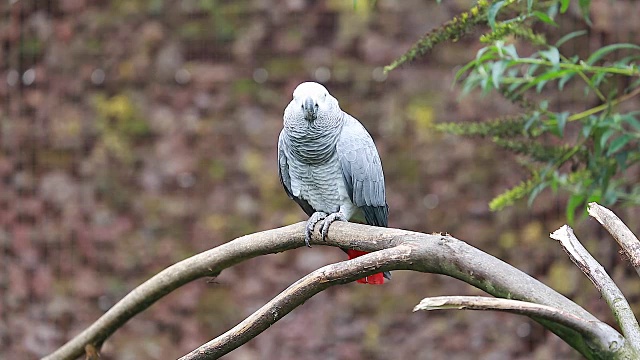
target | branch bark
[
  {"x": 602, "y": 281},
  {"x": 596, "y": 331},
  {"x": 620, "y": 232},
  {"x": 406, "y": 250},
  {"x": 297, "y": 294}
]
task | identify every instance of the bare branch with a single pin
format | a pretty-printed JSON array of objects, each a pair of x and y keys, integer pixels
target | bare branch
[
  {"x": 205, "y": 264},
  {"x": 597, "y": 331},
  {"x": 296, "y": 295},
  {"x": 440, "y": 254},
  {"x": 602, "y": 281},
  {"x": 620, "y": 232}
]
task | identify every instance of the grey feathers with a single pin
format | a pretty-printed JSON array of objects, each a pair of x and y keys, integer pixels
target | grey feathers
[
  {"x": 362, "y": 171},
  {"x": 327, "y": 160},
  {"x": 285, "y": 178}
]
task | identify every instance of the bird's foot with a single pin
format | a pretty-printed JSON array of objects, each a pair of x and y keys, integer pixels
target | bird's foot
[
  {"x": 337, "y": 216},
  {"x": 311, "y": 224}
]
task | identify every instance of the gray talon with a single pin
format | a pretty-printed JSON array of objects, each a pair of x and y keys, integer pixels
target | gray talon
[
  {"x": 307, "y": 237},
  {"x": 311, "y": 224},
  {"x": 326, "y": 223}
]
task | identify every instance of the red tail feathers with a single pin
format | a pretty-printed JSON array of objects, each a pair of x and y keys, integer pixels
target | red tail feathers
[{"x": 375, "y": 279}]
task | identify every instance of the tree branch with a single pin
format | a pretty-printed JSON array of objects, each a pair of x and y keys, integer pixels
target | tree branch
[
  {"x": 596, "y": 331},
  {"x": 297, "y": 294},
  {"x": 205, "y": 264},
  {"x": 620, "y": 232},
  {"x": 602, "y": 281},
  {"x": 406, "y": 250}
]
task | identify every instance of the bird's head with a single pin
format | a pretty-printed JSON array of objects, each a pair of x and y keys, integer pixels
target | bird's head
[{"x": 312, "y": 99}]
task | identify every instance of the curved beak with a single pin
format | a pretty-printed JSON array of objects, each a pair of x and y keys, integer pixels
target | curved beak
[{"x": 310, "y": 109}]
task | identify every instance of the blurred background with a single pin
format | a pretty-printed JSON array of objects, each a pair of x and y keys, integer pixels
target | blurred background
[{"x": 134, "y": 134}]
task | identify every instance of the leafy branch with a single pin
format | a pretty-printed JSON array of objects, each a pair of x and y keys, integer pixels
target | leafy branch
[
  {"x": 602, "y": 142},
  {"x": 452, "y": 30}
]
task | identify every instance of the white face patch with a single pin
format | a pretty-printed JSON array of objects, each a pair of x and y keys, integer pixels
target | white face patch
[
  {"x": 309, "y": 88},
  {"x": 312, "y": 90},
  {"x": 308, "y": 95}
]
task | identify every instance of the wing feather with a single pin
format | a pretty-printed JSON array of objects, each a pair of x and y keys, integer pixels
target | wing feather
[
  {"x": 362, "y": 171},
  {"x": 285, "y": 177}
]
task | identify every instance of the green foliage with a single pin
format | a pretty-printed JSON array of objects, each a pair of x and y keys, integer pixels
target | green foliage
[
  {"x": 532, "y": 149},
  {"x": 584, "y": 153},
  {"x": 452, "y": 30},
  {"x": 512, "y": 195},
  {"x": 502, "y": 127}
]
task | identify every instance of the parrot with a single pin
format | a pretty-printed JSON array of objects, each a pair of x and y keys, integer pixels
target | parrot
[{"x": 329, "y": 165}]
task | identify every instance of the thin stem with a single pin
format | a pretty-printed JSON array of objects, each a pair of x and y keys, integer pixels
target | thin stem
[
  {"x": 586, "y": 79},
  {"x": 603, "y": 107},
  {"x": 580, "y": 67}
]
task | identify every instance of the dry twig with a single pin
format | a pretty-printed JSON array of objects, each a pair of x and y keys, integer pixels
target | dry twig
[
  {"x": 620, "y": 232},
  {"x": 597, "y": 331},
  {"x": 602, "y": 281}
]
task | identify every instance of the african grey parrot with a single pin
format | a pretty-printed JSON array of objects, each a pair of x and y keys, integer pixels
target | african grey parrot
[{"x": 329, "y": 165}]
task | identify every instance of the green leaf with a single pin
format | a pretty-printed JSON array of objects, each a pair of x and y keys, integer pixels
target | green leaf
[
  {"x": 511, "y": 51},
  {"x": 605, "y": 136},
  {"x": 603, "y": 51},
  {"x": 627, "y": 61},
  {"x": 531, "y": 70},
  {"x": 561, "y": 120},
  {"x": 544, "y": 18},
  {"x": 544, "y": 104},
  {"x": 464, "y": 69},
  {"x": 552, "y": 54},
  {"x": 574, "y": 202},
  {"x": 530, "y": 121},
  {"x": 631, "y": 120},
  {"x": 584, "y": 7},
  {"x": 529, "y": 5},
  {"x": 618, "y": 143},
  {"x": 544, "y": 78},
  {"x": 562, "y": 82},
  {"x": 482, "y": 56},
  {"x": 496, "y": 72},
  {"x": 536, "y": 191},
  {"x": 611, "y": 196},
  {"x": 552, "y": 10},
  {"x": 555, "y": 181},
  {"x": 564, "y": 5},
  {"x": 492, "y": 12},
  {"x": 621, "y": 160},
  {"x": 513, "y": 87},
  {"x": 586, "y": 130},
  {"x": 485, "y": 84},
  {"x": 597, "y": 79},
  {"x": 570, "y": 35}
]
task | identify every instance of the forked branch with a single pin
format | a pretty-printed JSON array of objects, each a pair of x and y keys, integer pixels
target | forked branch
[{"x": 405, "y": 250}]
